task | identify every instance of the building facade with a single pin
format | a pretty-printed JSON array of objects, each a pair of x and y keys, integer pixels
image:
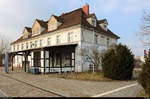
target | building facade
[{"x": 56, "y": 45}]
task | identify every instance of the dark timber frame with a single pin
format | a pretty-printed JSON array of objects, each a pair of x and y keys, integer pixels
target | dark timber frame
[{"x": 63, "y": 51}]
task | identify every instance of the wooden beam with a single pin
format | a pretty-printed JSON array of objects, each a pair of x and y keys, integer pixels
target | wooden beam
[
  {"x": 12, "y": 56},
  {"x": 52, "y": 58},
  {"x": 25, "y": 62},
  {"x": 49, "y": 62},
  {"x": 61, "y": 61},
  {"x": 44, "y": 63},
  {"x": 19, "y": 54}
]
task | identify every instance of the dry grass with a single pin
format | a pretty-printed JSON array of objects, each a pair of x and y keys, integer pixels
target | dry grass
[
  {"x": 142, "y": 94},
  {"x": 88, "y": 76}
]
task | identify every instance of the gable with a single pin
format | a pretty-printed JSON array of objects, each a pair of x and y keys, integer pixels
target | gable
[
  {"x": 25, "y": 33},
  {"x": 36, "y": 25},
  {"x": 52, "y": 23},
  {"x": 36, "y": 28},
  {"x": 52, "y": 20}
]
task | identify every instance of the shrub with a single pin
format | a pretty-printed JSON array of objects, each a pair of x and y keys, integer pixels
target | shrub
[
  {"x": 144, "y": 76},
  {"x": 118, "y": 63}
]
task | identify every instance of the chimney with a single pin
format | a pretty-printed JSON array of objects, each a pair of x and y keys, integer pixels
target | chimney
[{"x": 86, "y": 9}]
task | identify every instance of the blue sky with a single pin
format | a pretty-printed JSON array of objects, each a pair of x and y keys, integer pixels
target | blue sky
[{"x": 123, "y": 16}]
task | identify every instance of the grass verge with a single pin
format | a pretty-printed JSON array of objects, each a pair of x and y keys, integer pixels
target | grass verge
[{"x": 87, "y": 76}]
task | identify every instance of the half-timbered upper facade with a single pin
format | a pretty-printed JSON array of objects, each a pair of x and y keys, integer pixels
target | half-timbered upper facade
[{"x": 55, "y": 45}]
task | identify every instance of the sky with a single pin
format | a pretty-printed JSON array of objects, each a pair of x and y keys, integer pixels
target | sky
[{"x": 123, "y": 16}]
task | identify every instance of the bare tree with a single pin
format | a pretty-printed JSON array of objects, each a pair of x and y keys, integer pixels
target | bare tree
[
  {"x": 92, "y": 56},
  {"x": 4, "y": 44},
  {"x": 145, "y": 28}
]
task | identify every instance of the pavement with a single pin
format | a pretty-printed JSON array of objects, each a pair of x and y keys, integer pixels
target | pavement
[
  {"x": 1, "y": 95},
  {"x": 20, "y": 84}
]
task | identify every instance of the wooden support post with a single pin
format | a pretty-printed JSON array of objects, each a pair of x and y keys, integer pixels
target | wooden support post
[
  {"x": 25, "y": 57},
  {"x": 12, "y": 56},
  {"x": 44, "y": 63},
  {"x": 49, "y": 62},
  {"x": 61, "y": 61},
  {"x": 53, "y": 59},
  {"x": 70, "y": 53}
]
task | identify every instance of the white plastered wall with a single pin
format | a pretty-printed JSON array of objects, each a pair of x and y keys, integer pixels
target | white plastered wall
[{"x": 87, "y": 42}]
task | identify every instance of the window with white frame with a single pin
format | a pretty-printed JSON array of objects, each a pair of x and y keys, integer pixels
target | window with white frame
[
  {"x": 27, "y": 46},
  {"x": 17, "y": 47},
  {"x": 14, "y": 47},
  {"x": 22, "y": 46},
  {"x": 41, "y": 42},
  {"x": 94, "y": 22},
  {"x": 49, "y": 41},
  {"x": 70, "y": 37},
  {"x": 30, "y": 44},
  {"x": 58, "y": 39},
  {"x": 35, "y": 44},
  {"x": 96, "y": 39},
  {"x": 38, "y": 31}
]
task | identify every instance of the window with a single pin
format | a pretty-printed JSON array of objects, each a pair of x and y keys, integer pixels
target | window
[
  {"x": 58, "y": 40},
  {"x": 70, "y": 37},
  {"x": 38, "y": 31},
  {"x": 53, "y": 26},
  {"x": 14, "y": 47},
  {"x": 95, "y": 39},
  {"x": 27, "y": 46},
  {"x": 22, "y": 46},
  {"x": 34, "y": 31},
  {"x": 41, "y": 42},
  {"x": 37, "y": 58},
  {"x": 35, "y": 44},
  {"x": 58, "y": 59},
  {"x": 17, "y": 47},
  {"x": 48, "y": 41},
  {"x": 93, "y": 21},
  {"x": 30, "y": 44},
  {"x": 107, "y": 42},
  {"x": 105, "y": 27}
]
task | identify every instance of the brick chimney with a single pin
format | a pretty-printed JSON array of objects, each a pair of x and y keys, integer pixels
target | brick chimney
[{"x": 86, "y": 9}]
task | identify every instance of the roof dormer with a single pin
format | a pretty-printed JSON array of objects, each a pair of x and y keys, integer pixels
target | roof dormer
[
  {"x": 27, "y": 32},
  {"x": 92, "y": 20},
  {"x": 103, "y": 24},
  {"x": 54, "y": 22},
  {"x": 38, "y": 27}
]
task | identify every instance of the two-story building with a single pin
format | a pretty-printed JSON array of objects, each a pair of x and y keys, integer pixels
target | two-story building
[{"x": 55, "y": 45}]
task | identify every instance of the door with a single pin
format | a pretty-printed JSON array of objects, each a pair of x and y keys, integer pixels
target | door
[
  {"x": 58, "y": 59},
  {"x": 37, "y": 59}
]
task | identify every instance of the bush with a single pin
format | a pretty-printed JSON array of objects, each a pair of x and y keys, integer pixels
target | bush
[
  {"x": 144, "y": 76},
  {"x": 118, "y": 63}
]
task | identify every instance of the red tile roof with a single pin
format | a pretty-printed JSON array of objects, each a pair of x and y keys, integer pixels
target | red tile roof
[{"x": 71, "y": 19}]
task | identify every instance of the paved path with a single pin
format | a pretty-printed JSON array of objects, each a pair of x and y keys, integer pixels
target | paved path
[
  {"x": 1, "y": 95},
  {"x": 68, "y": 88},
  {"x": 126, "y": 91}
]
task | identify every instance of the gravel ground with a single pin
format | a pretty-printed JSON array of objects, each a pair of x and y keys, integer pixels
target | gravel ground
[{"x": 69, "y": 88}]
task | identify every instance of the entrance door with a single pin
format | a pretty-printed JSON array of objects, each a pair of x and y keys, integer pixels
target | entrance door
[
  {"x": 58, "y": 59},
  {"x": 37, "y": 59}
]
